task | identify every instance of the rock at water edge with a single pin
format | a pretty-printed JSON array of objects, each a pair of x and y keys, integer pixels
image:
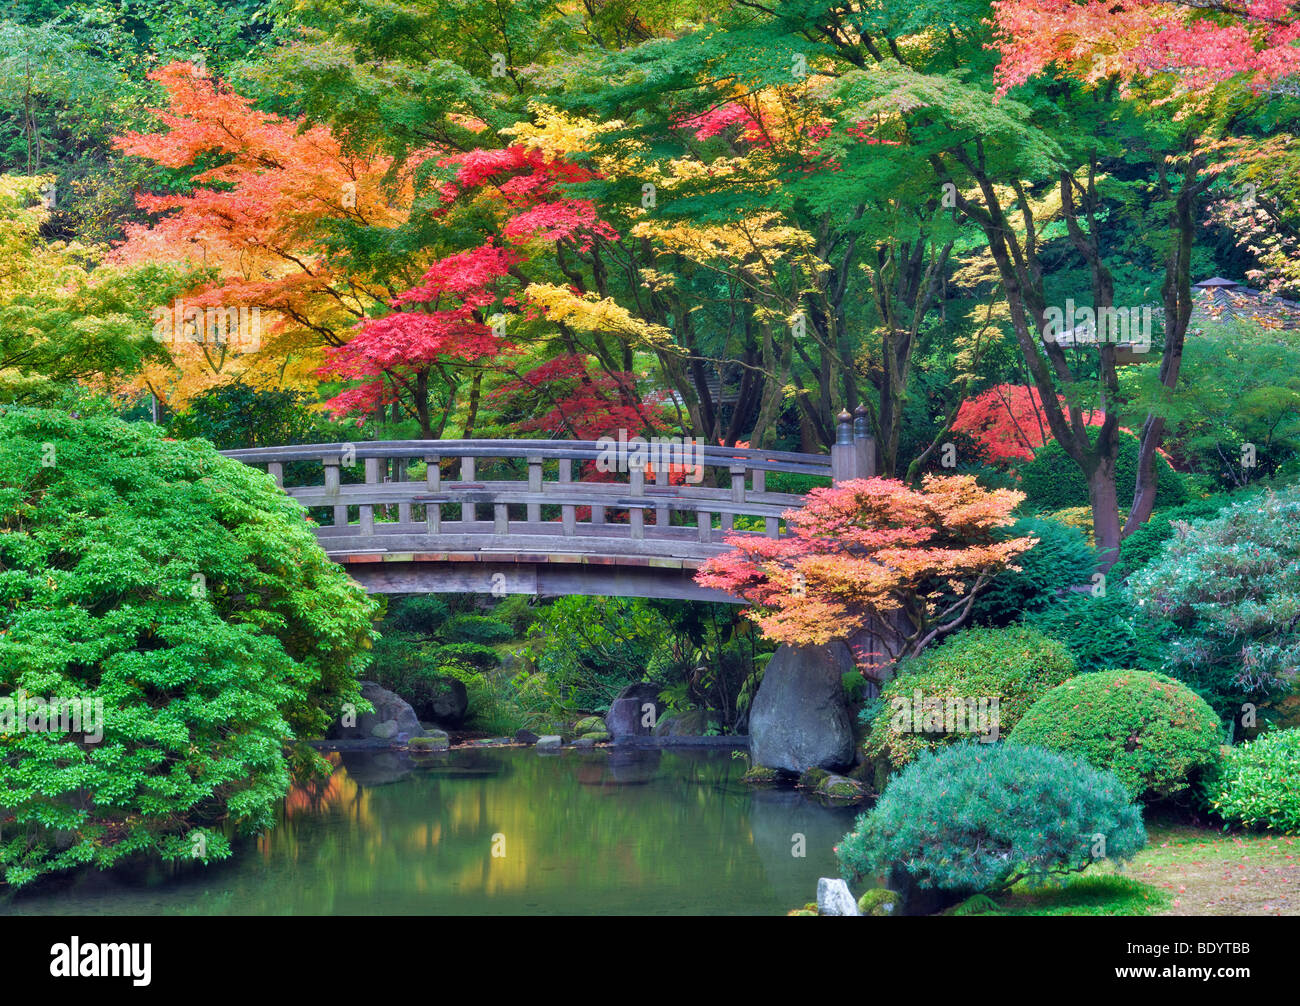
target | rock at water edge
[
  {"x": 800, "y": 716},
  {"x": 834, "y": 897}
]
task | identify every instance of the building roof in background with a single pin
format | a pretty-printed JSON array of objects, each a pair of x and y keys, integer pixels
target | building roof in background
[{"x": 1218, "y": 299}]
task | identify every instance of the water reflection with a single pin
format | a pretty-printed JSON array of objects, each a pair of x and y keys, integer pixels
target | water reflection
[{"x": 602, "y": 832}]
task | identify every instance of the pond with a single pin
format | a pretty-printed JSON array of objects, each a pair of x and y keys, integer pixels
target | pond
[{"x": 503, "y": 832}]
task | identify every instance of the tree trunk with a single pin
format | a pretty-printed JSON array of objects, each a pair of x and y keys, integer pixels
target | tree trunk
[{"x": 1105, "y": 511}]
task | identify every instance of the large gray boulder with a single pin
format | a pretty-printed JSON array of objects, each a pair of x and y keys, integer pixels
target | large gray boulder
[
  {"x": 635, "y": 711},
  {"x": 800, "y": 717},
  {"x": 393, "y": 716}
]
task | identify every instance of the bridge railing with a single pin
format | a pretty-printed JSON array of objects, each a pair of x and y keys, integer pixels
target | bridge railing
[
  {"x": 553, "y": 491},
  {"x": 549, "y": 496}
]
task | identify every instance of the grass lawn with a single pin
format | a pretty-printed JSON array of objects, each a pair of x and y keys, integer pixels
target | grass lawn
[{"x": 1184, "y": 870}]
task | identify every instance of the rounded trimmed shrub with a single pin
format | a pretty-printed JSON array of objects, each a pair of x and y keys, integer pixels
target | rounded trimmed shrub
[
  {"x": 1258, "y": 783},
  {"x": 1153, "y": 732},
  {"x": 1052, "y": 481},
  {"x": 973, "y": 817},
  {"x": 1062, "y": 559},
  {"x": 1012, "y": 665},
  {"x": 477, "y": 629}
]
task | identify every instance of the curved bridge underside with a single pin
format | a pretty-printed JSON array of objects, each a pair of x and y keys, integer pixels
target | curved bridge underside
[{"x": 539, "y": 517}]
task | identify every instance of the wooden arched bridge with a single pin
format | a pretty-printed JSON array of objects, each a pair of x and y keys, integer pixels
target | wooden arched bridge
[{"x": 538, "y": 516}]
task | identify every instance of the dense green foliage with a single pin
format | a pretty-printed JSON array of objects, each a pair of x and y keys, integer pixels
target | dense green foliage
[
  {"x": 1014, "y": 665},
  {"x": 185, "y": 593},
  {"x": 1148, "y": 541},
  {"x": 477, "y": 629},
  {"x": 591, "y": 647},
  {"x": 1153, "y": 732},
  {"x": 1103, "y": 631},
  {"x": 1239, "y": 385},
  {"x": 1061, "y": 560},
  {"x": 421, "y": 614},
  {"x": 1258, "y": 783},
  {"x": 235, "y": 416},
  {"x": 1052, "y": 481},
  {"x": 1230, "y": 587},
  {"x": 971, "y": 818}
]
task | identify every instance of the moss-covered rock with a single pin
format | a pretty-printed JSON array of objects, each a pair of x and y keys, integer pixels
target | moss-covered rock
[
  {"x": 878, "y": 901},
  {"x": 588, "y": 724},
  {"x": 435, "y": 740},
  {"x": 839, "y": 787},
  {"x": 813, "y": 777},
  {"x": 760, "y": 775},
  {"x": 596, "y": 736}
]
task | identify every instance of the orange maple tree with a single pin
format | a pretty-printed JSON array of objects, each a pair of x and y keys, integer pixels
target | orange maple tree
[
  {"x": 873, "y": 558},
  {"x": 255, "y": 227}
]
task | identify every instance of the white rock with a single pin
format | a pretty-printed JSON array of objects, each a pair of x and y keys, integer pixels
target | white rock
[
  {"x": 834, "y": 898},
  {"x": 549, "y": 742}
]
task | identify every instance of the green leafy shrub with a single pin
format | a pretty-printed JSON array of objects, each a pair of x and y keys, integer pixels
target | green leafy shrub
[
  {"x": 405, "y": 664},
  {"x": 185, "y": 593},
  {"x": 1258, "y": 783},
  {"x": 1014, "y": 665},
  {"x": 1153, "y": 732},
  {"x": 973, "y": 818},
  {"x": 1062, "y": 559},
  {"x": 518, "y": 611},
  {"x": 473, "y": 654},
  {"x": 590, "y": 648},
  {"x": 795, "y": 482},
  {"x": 1103, "y": 631},
  {"x": 1229, "y": 588},
  {"x": 423, "y": 614},
  {"x": 477, "y": 629},
  {"x": 1052, "y": 481}
]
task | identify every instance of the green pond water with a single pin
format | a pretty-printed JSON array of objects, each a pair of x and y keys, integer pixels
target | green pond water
[{"x": 602, "y": 832}]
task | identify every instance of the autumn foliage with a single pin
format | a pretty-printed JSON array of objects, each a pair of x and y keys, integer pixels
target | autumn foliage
[
  {"x": 873, "y": 557},
  {"x": 256, "y": 220},
  {"x": 1204, "y": 43},
  {"x": 1008, "y": 419}
]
